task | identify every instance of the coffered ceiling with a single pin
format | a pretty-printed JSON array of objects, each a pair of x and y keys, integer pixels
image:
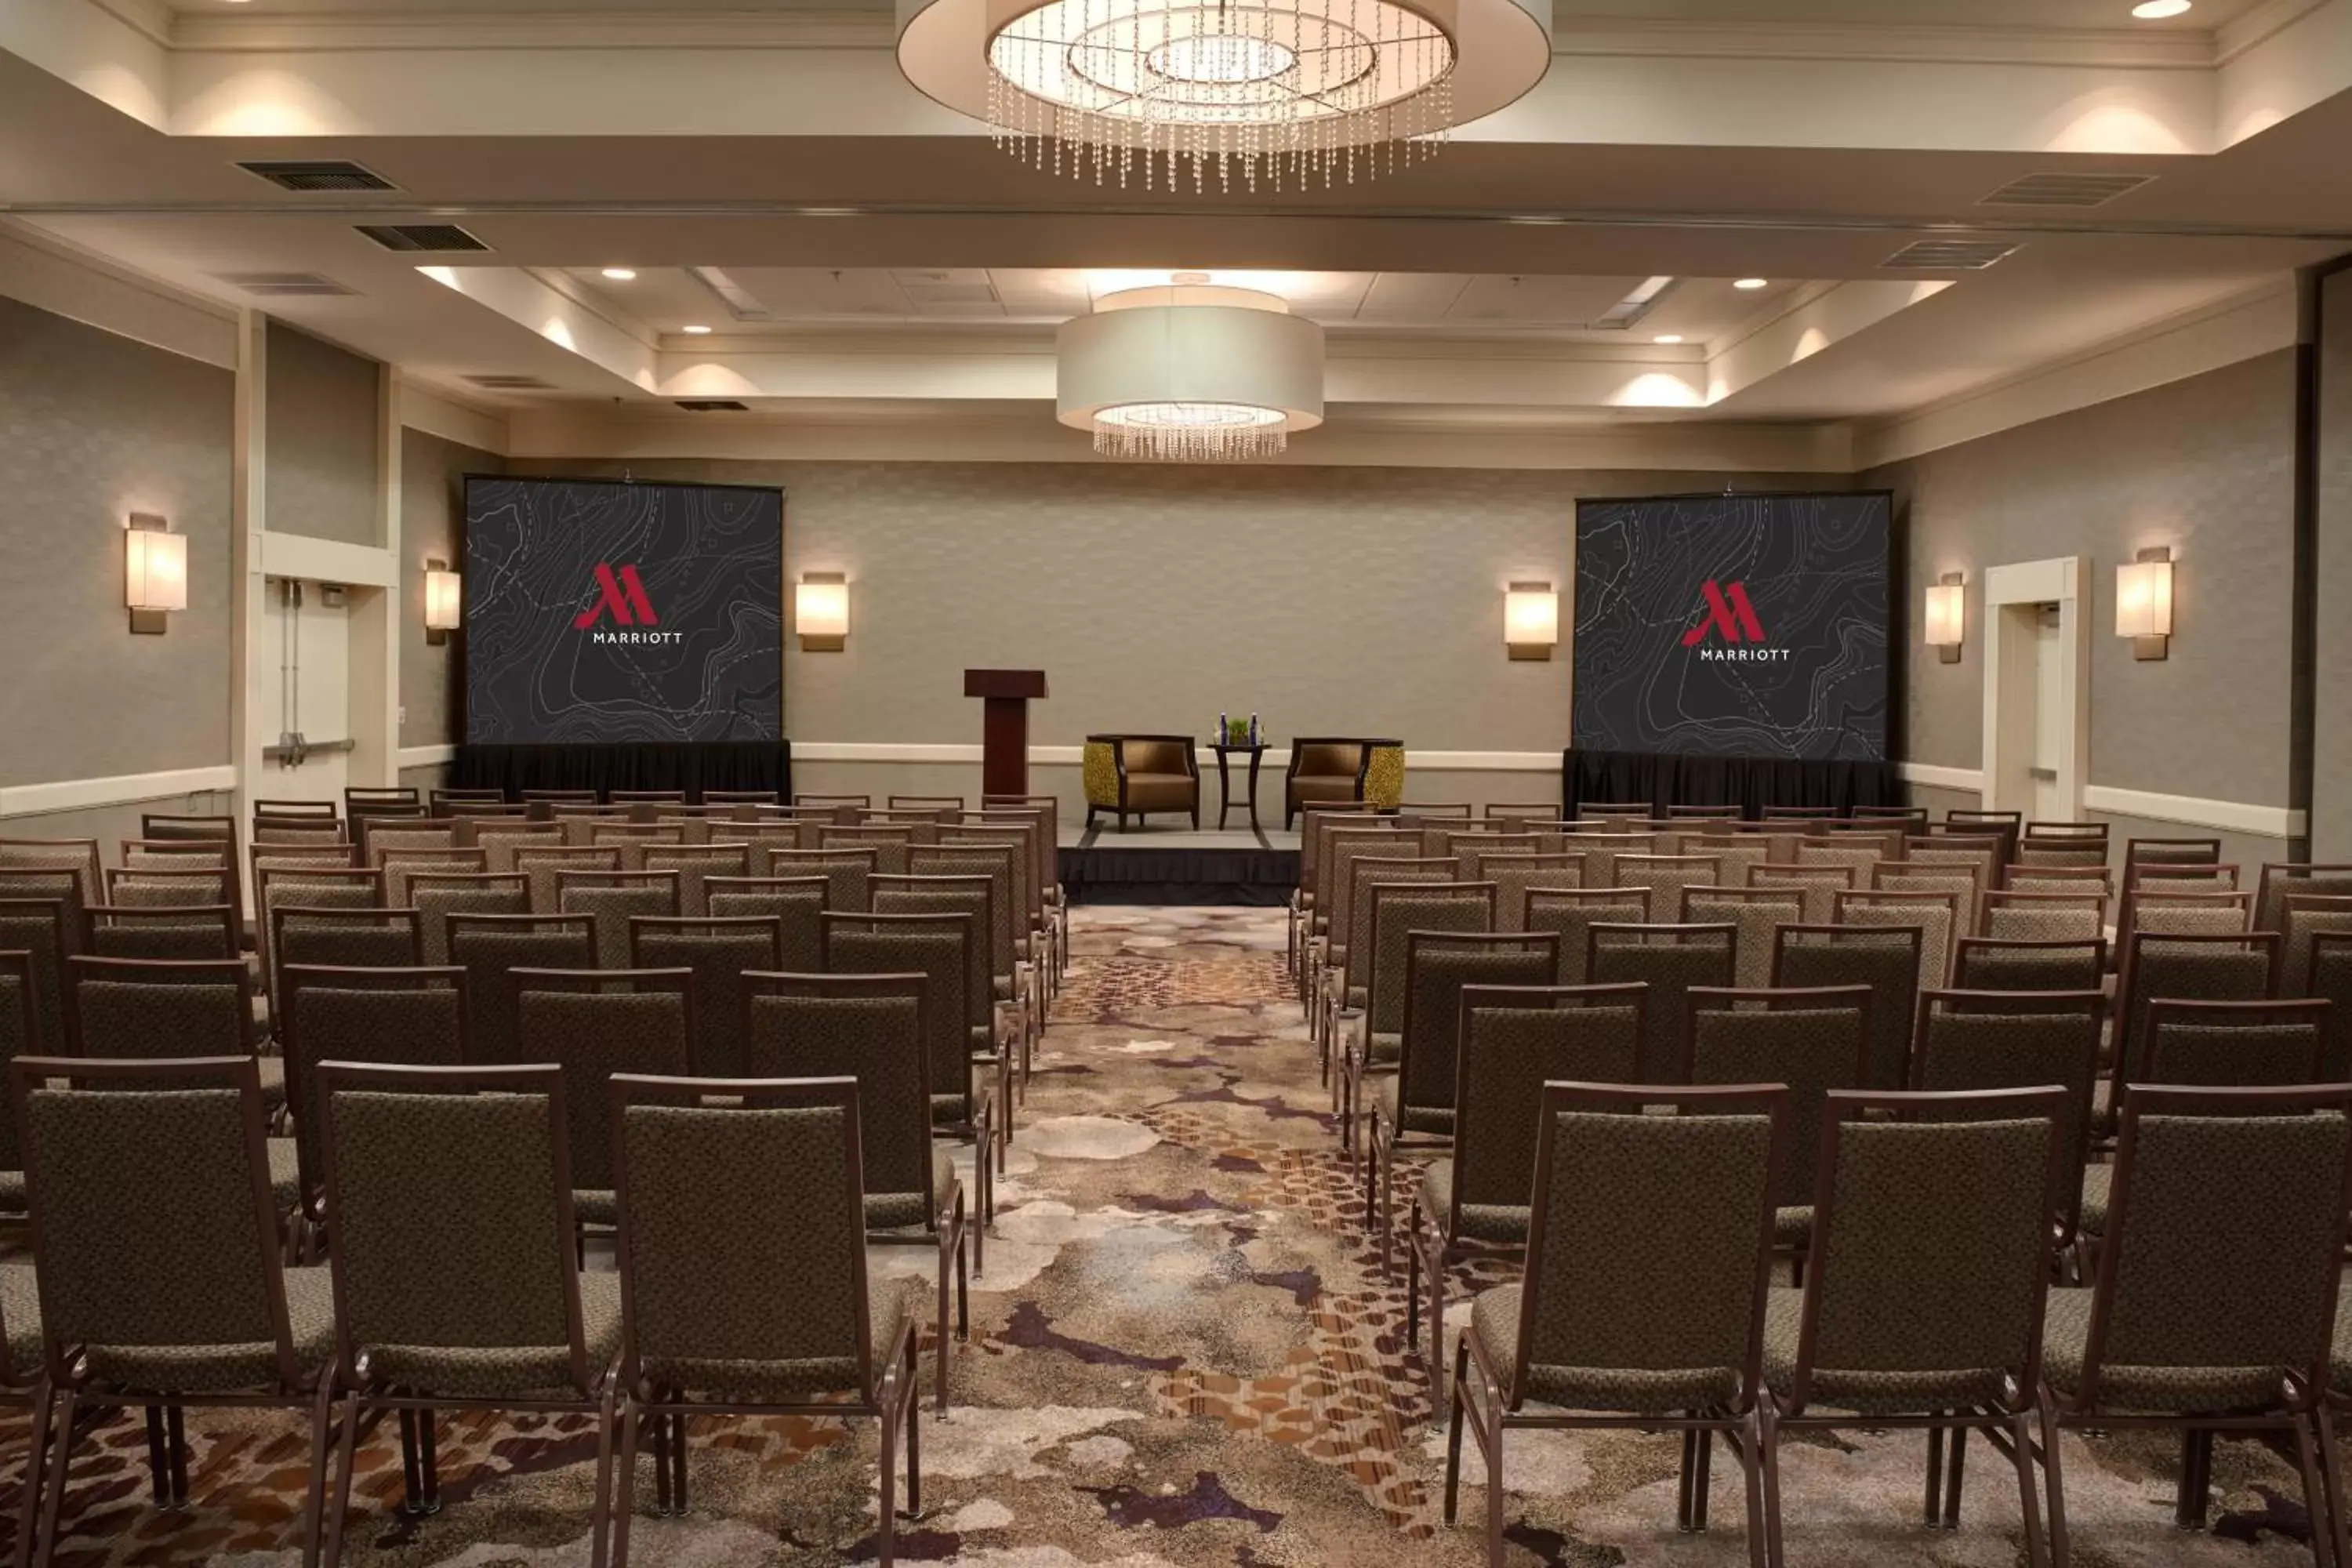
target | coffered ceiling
[{"x": 859, "y": 252}]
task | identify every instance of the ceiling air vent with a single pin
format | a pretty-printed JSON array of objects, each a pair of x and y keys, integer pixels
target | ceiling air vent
[
  {"x": 497, "y": 382},
  {"x": 320, "y": 175},
  {"x": 2065, "y": 189},
  {"x": 413, "y": 236},
  {"x": 713, "y": 406},
  {"x": 283, "y": 285},
  {"x": 1949, "y": 255}
]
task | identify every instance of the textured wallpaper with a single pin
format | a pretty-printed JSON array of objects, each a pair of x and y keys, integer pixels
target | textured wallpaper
[
  {"x": 93, "y": 427},
  {"x": 1327, "y": 600},
  {"x": 323, "y": 436},
  {"x": 432, "y": 517},
  {"x": 2331, "y": 802},
  {"x": 2206, "y": 466}
]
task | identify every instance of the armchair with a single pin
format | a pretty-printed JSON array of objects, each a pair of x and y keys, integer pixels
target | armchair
[
  {"x": 1134, "y": 776},
  {"x": 1336, "y": 768}
]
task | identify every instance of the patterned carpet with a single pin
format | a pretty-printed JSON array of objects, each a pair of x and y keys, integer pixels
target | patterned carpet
[{"x": 1184, "y": 1353}]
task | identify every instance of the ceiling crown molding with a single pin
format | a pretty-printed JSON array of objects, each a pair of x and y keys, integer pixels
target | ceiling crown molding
[
  {"x": 861, "y": 27},
  {"x": 2103, "y": 47},
  {"x": 359, "y": 32}
]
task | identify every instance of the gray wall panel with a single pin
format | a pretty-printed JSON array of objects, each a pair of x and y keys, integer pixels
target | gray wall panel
[{"x": 322, "y": 438}]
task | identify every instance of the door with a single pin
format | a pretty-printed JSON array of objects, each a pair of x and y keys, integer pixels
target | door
[{"x": 2050, "y": 715}]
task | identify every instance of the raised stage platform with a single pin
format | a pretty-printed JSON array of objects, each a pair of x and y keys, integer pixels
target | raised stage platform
[{"x": 1175, "y": 865}]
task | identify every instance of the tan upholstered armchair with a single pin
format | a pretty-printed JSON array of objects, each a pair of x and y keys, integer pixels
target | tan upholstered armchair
[
  {"x": 1328, "y": 767},
  {"x": 1134, "y": 776}
]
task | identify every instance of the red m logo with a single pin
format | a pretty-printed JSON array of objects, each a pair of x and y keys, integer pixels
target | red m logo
[
  {"x": 1731, "y": 618},
  {"x": 625, "y": 597}
]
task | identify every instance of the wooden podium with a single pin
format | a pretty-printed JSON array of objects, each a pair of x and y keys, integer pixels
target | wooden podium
[{"x": 1004, "y": 725}]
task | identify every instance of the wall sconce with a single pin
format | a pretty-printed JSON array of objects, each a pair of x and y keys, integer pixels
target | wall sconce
[
  {"x": 444, "y": 598},
  {"x": 1531, "y": 620},
  {"x": 1947, "y": 609},
  {"x": 2144, "y": 602},
  {"x": 821, "y": 612},
  {"x": 154, "y": 573}
]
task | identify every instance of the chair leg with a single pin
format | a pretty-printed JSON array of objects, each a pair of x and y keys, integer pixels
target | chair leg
[
  {"x": 1767, "y": 1460},
  {"x": 314, "y": 1492},
  {"x": 1702, "y": 1475},
  {"x": 1495, "y": 1498},
  {"x": 1932, "y": 1511},
  {"x": 1750, "y": 1443},
  {"x": 54, "y": 1494},
  {"x": 600, "y": 1516},
  {"x": 28, "y": 1487},
  {"x": 1454, "y": 1436},
  {"x": 1684, "y": 1477},
  {"x": 411, "y": 1475},
  {"x": 159, "y": 1484},
  {"x": 2331, "y": 1479},
  {"x": 624, "y": 1484},
  {"x": 1413, "y": 1283},
  {"x": 2195, "y": 1487},
  {"x": 346, "y": 1457},
  {"x": 677, "y": 1499},
  {"x": 2315, "y": 1493},
  {"x": 942, "y": 1390},
  {"x": 2054, "y": 1481},
  {"x": 1958, "y": 1457},
  {"x": 1436, "y": 1326},
  {"x": 2020, "y": 1439},
  {"x": 914, "y": 1440},
  {"x": 658, "y": 1439},
  {"x": 886, "y": 1535}
]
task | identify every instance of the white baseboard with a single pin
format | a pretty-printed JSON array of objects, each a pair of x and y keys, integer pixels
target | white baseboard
[
  {"x": 125, "y": 789},
  {"x": 2225, "y": 815},
  {"x": 425, "y": 756},
  {"x": 1070, "y": 756},
  {"x": 1969, "y": 781}
]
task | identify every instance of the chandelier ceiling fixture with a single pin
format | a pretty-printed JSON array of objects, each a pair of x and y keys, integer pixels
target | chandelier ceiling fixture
[
  {"x": 1190, "y": 372},
  {"x": 1276, "y": 92}
]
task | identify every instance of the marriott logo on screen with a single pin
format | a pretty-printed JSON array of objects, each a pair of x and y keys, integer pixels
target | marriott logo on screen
[
  {"x": 624, "y": 594},
  {"x": 1730, "y": 615}
]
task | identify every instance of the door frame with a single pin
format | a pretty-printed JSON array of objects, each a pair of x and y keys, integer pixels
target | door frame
[{"x": 2011, "y": 595}]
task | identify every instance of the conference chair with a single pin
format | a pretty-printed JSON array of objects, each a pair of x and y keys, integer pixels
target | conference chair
[
  {"x": 2006, "y": 963},
  {"x": 938, "y": 946},
  {"x": 2279, "y": 879},
  {"x": 593, "y": 1024},
  {"x": 1513, "y": 1039},
  {"x": 37, "y": 929},
  {"x": 502, "y": 841},
  {"x": 413, "y": 1016},
  {"x": 1918, "y": 1312},
  {"x": 2216, "y": 966},
  {"x": 1351, "y": 1018},
  {"x": 2329, "y": 978},
  {"x": 1811, "y": 1041},
  {"x": 137, "y": 888},
  {"x": 542, "y": 864},
  {"x": 1616, "y": 1324},
  {"x": 2012, "y": 915},
  {"x": 438, "y": 895},
  {"x": 870, "y": 1029},
  {"x": 848, "y": 873},
  {"x": 23, "y": 859},
  {"x": 415, "y": 1204},
  {"x": 992, "y": 1019},
  {"x": 488, "y": 948},
  {"x": 399, "y": 864},
  {"x": 1970, "y": 1041},
  {"x": 708, "y": 1331},
  {"x": 1817, "y": 886},
  {"x": 170, "y": 931},
  {"x": 1882, "y": 960},
  {"x": 613, "y": 899},
  {"x": 1138, "y": 775},
  {"x": 1571, "y": 913},
  {"x": 1517, "y": 873},
  {"x": 200, "y": 1312},
  {"x": 2214, "y": 1301},
  {"x": 1942, "y": 908},
  {"x": 1415, "y": 1107},
  {"x": 714, "y": 951}
]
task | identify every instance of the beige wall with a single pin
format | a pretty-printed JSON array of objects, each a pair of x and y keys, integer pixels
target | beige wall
[
  {"x": 2331, "y": 802},
  {"x": 1335, "y": 601},
  {"x": 324, "y": 430},
  {"x": 2205, "y": 465},
  {"x": 432, "y": 526},
  {"x": 93, "y": 427}
]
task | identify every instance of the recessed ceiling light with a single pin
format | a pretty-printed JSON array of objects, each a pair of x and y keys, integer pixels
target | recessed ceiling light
[
  {"x": 694, "y": 331},
  {"x": 621, "y": 274},
  {"x": 1668, "y": 338},
  {"x": 2157, "y": 10},
  {"x": 1753, "y": 283}
]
